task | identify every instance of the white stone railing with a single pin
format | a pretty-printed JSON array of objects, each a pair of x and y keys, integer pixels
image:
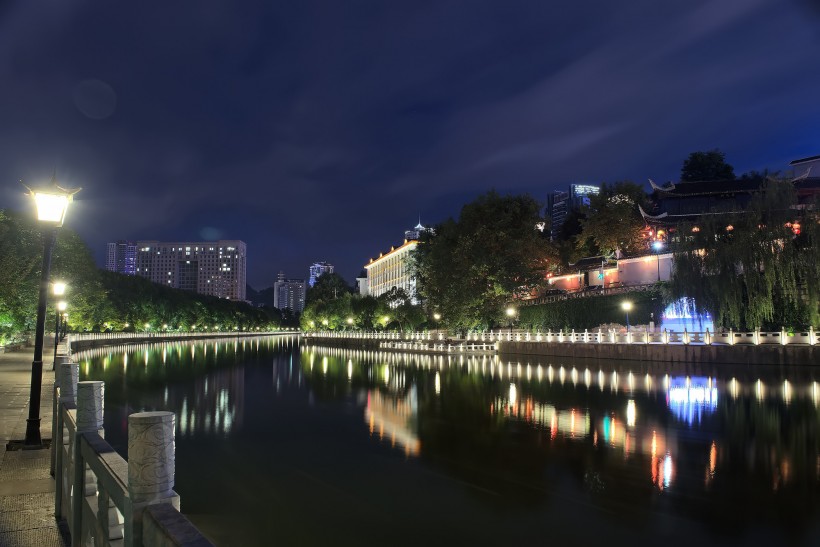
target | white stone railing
[
  {"x": 83, "y": 336},
  {"x": 104, "y": 499},
  {"x": 641, "y": 335},
  {"x": 433, "y": 347}
]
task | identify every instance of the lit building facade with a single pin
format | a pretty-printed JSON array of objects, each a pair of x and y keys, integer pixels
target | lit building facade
[
  {"x": 121, "y": 257},
  {"x": 289, "y": 294},
  {"x": 214, "y": 268},
  {"x": 392, "y": 270},
  {"x": 317, "y": 269}
]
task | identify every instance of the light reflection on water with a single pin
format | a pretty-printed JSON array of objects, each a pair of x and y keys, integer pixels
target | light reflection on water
[{"x": 729, "y": 448}]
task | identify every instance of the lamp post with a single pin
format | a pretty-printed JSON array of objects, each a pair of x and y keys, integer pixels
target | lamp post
[
  {"x": 626, "y": 306},
  {"x": 511, "y": 318},
  {"x": 61, "y": 307},
  {"x": 52, "y": 204},
  {"x": 658, "y": 246}
]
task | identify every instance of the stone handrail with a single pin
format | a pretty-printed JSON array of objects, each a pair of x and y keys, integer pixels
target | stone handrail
[
  {"x": 104, "y": 338},
  {"x": 641, "y": 335},
  {"x": 83, "y": 336},
  {"x": 104, "y": 499}
]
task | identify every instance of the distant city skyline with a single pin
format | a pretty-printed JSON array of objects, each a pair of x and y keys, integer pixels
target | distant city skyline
[{"x": 298, "y": 139}]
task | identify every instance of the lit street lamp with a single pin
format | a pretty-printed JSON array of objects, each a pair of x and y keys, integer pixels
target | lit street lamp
[
  {"x": 511, "y": 316},
  {"x": 52, "y": 205},
  {"x": 58, "y": 312},
  {"x": 626, "y": 306},
  {"x": 658, "y": 246}
]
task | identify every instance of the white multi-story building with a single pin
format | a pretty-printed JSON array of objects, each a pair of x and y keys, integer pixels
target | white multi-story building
[
  {"x": 215, "y": 268},
  {"x": 392, "y": 270}
]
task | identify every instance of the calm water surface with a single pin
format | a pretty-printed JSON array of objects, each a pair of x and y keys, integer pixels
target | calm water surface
[{"x": 278, "y": 444}]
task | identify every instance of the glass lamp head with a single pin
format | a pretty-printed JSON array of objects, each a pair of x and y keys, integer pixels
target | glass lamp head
[{"x": 52, "y": 202}]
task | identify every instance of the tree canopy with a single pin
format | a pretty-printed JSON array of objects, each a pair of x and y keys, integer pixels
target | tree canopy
[
  {"x": 613, "y": 221},
  {"x": 474, "y": 265},
  {"x": 710, "y": 165}
]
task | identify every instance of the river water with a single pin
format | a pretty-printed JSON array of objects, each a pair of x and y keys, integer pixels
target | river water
[{"x": 278, "y": 444}]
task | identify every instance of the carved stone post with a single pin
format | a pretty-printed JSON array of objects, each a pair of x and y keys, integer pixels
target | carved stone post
[
  {"x": 151, "y": 449},
  {"x": 55, "y": 406},
  {"x": 90, "y": 401},
  {"x": 68, "y": 375},
  {"x": 89, "y": 419}
]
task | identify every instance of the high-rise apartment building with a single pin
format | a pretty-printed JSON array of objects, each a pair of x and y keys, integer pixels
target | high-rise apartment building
[
  {"x": 215, "y": 268},
  {"x": 560, "y": 204},
  {"x": 121, "y": 257},
  {"x": 289, "y": 294},
  {"x": 317, "y": 269}
]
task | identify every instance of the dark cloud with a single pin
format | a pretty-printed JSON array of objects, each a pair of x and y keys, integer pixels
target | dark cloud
[{"x": 321, "y": 130}]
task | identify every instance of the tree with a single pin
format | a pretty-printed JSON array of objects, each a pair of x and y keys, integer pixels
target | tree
[
  {"x": 705, "y": 166},
  {"x": 613, "y": 221},
  {"x": 755, "y": 268},
  {"x": 473, "y": 266},
  {"x": 328, "y": 287}
]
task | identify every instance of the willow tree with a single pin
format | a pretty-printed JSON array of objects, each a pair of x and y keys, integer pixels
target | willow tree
[
  {"x": 474, "y": 265},
  {"x": 756, "y": 268}
]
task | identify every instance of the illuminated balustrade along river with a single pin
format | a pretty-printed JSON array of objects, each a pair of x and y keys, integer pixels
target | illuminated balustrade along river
[{"x": 289, "y": 445}]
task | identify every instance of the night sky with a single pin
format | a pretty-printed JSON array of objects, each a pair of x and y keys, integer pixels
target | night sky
[{"x": 322, "y": 130}]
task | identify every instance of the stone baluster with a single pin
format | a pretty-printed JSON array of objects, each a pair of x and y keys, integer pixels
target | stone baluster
[
  {"x": 90, "y": 412},
  {"x": 151, "y": 465},
  {"x": 66, "y": 380},
  {"x": 69, "y": 374},
  {"x": 55, "y": 406},
  {"x": 89, "y": 420}
]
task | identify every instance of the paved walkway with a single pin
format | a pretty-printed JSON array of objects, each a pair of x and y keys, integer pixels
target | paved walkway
[{"x": 26, "y": 487}]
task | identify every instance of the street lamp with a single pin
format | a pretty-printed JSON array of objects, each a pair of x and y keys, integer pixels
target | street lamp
[
  {"x": 52, "y": 205},
  {"x": 626, "y": 306},
  {"x": 658, "y": 246},
  {"x": 61, "y": 307},
  {"x": 511, "y": 316},
  {"x": 437, "y": 316}
]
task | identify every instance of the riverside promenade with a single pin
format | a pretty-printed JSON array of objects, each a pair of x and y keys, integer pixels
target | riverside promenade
[{"x": 26, "y": 486}]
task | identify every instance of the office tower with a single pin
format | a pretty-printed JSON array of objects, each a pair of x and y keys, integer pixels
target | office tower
[
  {"x": 317, "y": 269},
  {"x": 121, "y": 257},
  {"x": 560, "y": 204}
]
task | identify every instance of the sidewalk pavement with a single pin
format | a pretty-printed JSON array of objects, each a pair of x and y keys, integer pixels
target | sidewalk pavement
[{"x": 26, "y": 486}]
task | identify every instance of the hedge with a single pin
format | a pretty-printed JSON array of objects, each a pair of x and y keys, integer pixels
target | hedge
[{"x": 593, "y": 311}]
